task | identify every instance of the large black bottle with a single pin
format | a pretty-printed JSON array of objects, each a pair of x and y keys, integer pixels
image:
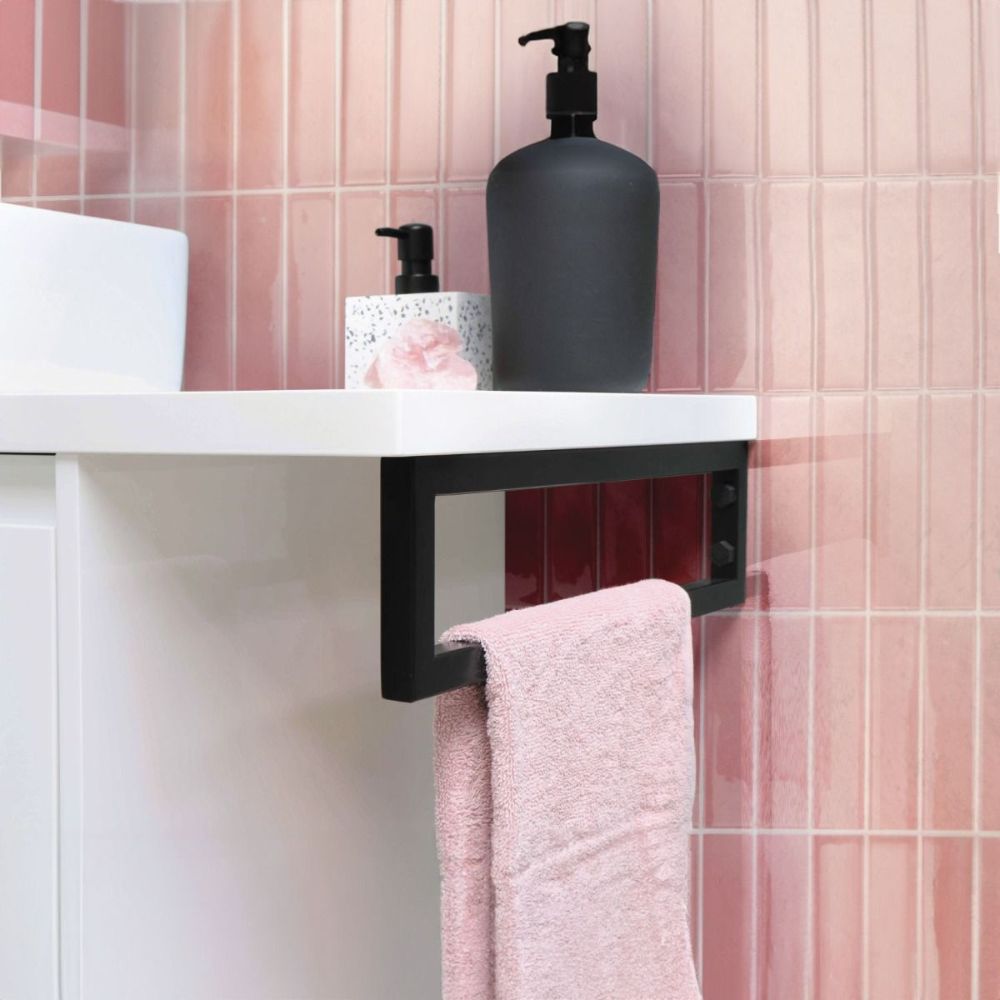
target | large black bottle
[{"x": 572, "y": 229}]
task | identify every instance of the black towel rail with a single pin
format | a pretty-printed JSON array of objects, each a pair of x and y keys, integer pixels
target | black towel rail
[{"x": 413, "y": 665}]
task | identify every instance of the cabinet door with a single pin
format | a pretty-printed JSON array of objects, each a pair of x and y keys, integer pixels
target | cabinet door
[{"x": 28, "y": 774}]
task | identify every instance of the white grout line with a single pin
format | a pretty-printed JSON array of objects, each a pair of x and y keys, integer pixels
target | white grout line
[
  {"x": 337, "y": 353},
  {"x": 84, "y": 94},
  {"x": 650, "y": 91},
  {"x": 36, "y": 88},
  {"x": 757, "y": 659},
  {"x": 866, "y": 810},
  {"x": 336, "y": 375},
  {"x": 923, "y": 422},
  {"x": 182, "y": 115},
  {"x": 338, "y": 96},
  {"x": 478, "y": 184},
  {"x": 703, "y": 191},
  {"x": 131, "y": 114},
  {"x": 705, "y": 202},
  {"x": 977, "y": 719},
  {"x": 444, "y": 126},
  {"x": 286, "y": 44},
  {"x": 815, "y": 428},
  {"x": 811, "y": 922},
  {"x": 869, "y": 463},
  {"x": 390, "y": 83},
  {"x": 234, "y": 194},
  {"x": 497, "y": 75},
  {"x": 981, "y": 251},
  {"x": 923, "y": 459}
]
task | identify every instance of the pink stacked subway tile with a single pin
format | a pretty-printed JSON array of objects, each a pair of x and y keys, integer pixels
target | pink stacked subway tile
[{"x": 828, "y": 240}]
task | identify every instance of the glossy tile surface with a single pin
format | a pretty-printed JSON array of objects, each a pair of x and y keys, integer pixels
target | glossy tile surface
[
  {"x": 571, "y": 540},
  {"x": 157, "y": 99},
  {"x": 989, "y": 926},
  {"x": 783, "y": 919},
  {"x": 787, "y": 108},
  {"x": 951, "y": 501},
  {"x": 208, "y": 129},
  {"x": 894, "y": 723},
  {"x": 679, "y": 344},
  {"x": 842, "y": 537},
  {"x": 314, "y": 57},
  {"x": 785, "y": 455},
  {"x": 842, "y": 330},
  {"x": 837, "y": 920},
  {"x": 990, "y": 722},
  {"x": 314, "y": 357},
  {"x": 260, "y": 95},
  {"x": 949, "y": 723},
  {"x": 625, "y": 544},
  {"x": 946, "y": 927},
  {"x": 840, "y": 45},
  {"x": 678, "y": 528},
  {"x": 727, "y": 916},
  {"x": 892, "y": 917},
  {"x": 897, "y": 503},
  {"x": 839, "y": 724},
  {"x": 260, "y": 287},
  {"x": 991, "y": 503},
  {"x": 732, "y": 293},
  {"x": 897, "y": 300},
  {"x": 208, "y": 359},
  {"x": 728, "y": 733},
  {"x": 788, "y": 294},
  {"x": 784, "y": 647},
  {"x": 525, "y": 570}
]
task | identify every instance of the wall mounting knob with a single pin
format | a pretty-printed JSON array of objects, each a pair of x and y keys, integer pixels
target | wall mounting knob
[
  {"x": 723, "y": 554},
  {"x": 723, "y": 495}
]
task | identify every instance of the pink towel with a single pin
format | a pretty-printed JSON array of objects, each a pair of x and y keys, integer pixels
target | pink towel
[{"x": 564, "y": 802}]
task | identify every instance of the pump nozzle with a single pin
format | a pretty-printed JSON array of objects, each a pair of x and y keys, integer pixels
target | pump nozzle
[
  {"x": 415, "y": 252},
  {"x": 571, "y": 92},
  {"x": 571, "y": 44}
]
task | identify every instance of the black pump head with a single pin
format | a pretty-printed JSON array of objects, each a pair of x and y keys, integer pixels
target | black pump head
[
  {"x": 416, "y": 252},
  {"x": 572, "y": 90}
]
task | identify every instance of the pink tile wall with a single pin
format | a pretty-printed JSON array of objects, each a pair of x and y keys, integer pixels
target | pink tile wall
[
  {"x": 65, "y": 109},
  {"x": 828, "y": 236}
]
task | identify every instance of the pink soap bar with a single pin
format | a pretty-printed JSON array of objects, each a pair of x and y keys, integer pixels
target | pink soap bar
[{"x": 423, "y": 354}]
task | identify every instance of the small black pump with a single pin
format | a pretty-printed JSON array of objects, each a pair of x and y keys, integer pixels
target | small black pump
[
  {"x": 416, "y": 254},
  {"x": 571, "y": 92}
]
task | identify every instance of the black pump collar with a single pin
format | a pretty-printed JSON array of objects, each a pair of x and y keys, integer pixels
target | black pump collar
[
  {"x": 415, "y": 253},
  {"x": 572, "y": 90}
]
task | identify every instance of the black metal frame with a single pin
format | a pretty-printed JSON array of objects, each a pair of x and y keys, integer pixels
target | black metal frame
[{"x": 413, "y": 666}]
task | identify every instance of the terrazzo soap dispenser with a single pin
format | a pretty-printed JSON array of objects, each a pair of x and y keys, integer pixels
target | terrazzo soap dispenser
[
  {"x": 419, "y": 338},
  {"x": 572, "y": 229}
]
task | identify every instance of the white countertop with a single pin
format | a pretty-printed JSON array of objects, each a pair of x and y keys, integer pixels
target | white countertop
[{"x": 364, "y": 423}]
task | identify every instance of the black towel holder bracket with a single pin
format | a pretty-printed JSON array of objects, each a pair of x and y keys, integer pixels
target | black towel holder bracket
[{"x": 413, "y": 665}]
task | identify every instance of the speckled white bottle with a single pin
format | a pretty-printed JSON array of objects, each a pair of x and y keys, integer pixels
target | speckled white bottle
[{"x": 370, "y": 320}]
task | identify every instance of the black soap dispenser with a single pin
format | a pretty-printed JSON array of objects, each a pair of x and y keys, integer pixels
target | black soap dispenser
[
  {"x": 572, "y": 225},
  {"x": 416, "y": 255}
]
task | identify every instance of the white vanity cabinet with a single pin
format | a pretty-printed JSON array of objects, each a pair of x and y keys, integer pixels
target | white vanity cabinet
[
  {"x": 202, "y": 793},
  {"x": 29, "y": 786}
]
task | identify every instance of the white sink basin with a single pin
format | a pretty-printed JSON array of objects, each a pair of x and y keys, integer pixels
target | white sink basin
[{"x": 89, "y": 305}]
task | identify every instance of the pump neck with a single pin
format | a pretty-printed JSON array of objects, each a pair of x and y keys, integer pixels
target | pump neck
[{"x": 572, "y": 126}]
